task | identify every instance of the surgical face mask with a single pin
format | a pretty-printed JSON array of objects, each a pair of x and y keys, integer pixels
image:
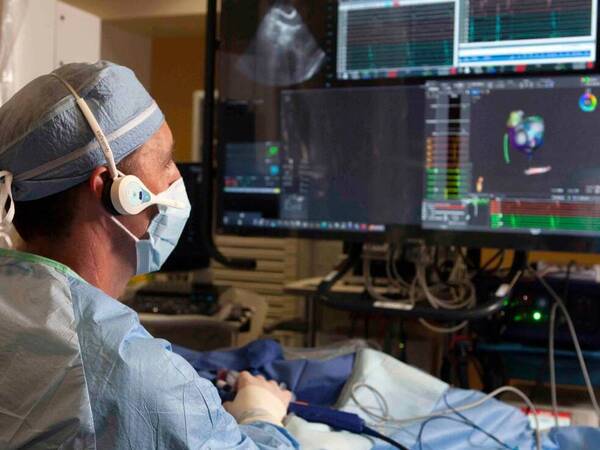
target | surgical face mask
[{"x": 164, "y": 230}]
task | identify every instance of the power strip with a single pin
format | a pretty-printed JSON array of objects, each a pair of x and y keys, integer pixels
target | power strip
[{"x": 576, "y": 415}]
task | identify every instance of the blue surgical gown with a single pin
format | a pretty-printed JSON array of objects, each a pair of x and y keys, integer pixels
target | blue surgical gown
[{"x": 77, "y": 370}]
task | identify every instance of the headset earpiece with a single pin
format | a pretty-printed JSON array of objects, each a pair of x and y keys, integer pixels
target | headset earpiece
[
  {"x": 129, "y": 196},
  {"x": 106, "y": 200},
  {"x": 124, "y": 195}
]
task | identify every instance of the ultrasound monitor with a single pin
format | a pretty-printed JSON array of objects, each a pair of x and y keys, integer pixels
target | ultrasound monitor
[
  {"x": 513, "y": 156},
  {"x": 348, "y": 161},
  {"x": 413, "y": 38}
]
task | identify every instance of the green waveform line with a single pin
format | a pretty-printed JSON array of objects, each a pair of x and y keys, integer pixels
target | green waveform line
[
  {"x": 577, "y": 223},
  {"x": 440, "y": 170},
  {"x": 506, "y": 149},
  {"x": 515, "y": 26}
]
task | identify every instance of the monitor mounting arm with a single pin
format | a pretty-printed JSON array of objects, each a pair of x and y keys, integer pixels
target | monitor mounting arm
[{"x": 208, "y": 118}]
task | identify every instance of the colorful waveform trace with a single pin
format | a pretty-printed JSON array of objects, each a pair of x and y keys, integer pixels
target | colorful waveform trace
[
  {"x": 509, "y": 20},
  {"x": 525, "y": 134}
]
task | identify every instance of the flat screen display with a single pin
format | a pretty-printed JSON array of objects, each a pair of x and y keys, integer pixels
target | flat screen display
[
  {"x": 414, "y": 38},
  {"x": 513, "y": 156},
  {"x": 347, "y": 161}
]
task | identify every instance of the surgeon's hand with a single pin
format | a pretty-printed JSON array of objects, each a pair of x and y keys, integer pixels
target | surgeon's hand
[{"x": 258, "y": 400}]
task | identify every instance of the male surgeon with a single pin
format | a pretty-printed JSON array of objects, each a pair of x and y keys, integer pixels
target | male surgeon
[{"x": 87, "y": 178}]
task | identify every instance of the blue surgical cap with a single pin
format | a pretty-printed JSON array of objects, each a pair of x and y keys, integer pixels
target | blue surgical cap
[{"x": 45, "y": 141}]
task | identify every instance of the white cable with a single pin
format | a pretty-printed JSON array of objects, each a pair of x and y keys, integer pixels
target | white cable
[
  {"x": 392, "y": 269},
  {"x": 552, "y": 363},
  {"x": 465, "y": 298},
  {"x": 387, "y": 418},
  {"x": 443, "y": 330},
  {"x": 459, "y": 278},
  {"x": 6, "y": 201},
  {"x": 94, "y": 126},
  {"x": 586, "y": 376},
  {"x": 409, "y": 303},
  {"x": 461, "y": 290},
  {"x": 440, "y": 303}
]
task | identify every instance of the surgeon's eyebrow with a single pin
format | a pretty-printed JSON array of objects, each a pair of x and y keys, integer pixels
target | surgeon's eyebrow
[{"x": 170, "y": 154}]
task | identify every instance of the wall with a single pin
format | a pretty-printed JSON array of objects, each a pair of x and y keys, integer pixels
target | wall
[
  {"x": 35, "y": 47},
  {"x": 77, "y": 35},
  {"x": 133, "y": 50},
  {"x": 177, "y": 71},
  {"x": 54, "y": 33}
]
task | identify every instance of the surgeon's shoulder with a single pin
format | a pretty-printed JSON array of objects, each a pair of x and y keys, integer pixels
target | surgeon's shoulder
[
  {"x": 137, "y": 358},
  {"x": 28, "y": 278}
]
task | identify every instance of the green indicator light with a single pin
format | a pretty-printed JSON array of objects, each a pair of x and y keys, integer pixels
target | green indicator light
[
  {"x": 273, "y": 150},
  {"x": 537, "y": 316}
]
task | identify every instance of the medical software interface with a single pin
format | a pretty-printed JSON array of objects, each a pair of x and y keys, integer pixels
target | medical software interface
[
  {"x": 513, "y": 155},
  {"x": 349, "y": 160},
  {"x": 402, "y": 38}
]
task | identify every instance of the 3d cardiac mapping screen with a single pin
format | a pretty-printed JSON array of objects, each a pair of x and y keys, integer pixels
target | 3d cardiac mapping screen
[
  {"x": 513, "y": 155},
  {"x": 403, "y": 38}
]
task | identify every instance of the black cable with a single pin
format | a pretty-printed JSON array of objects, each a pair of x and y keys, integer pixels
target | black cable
[
  {"x": 498, "y": 266},
  {"x": 353, "y": 258},
  {"x": 539, "y": 379},
  {"x": 519, "y": 263},
  {"x": 436, "y": 263},
  {"x": 371, "y": 432},
  {"x": 470, "y": 264},
  {"x": 568, "y": 281},
  {"x": 500, "y": 256},
  {"x": 473, "y": 424},
  {"x": 453, "y": 419}
]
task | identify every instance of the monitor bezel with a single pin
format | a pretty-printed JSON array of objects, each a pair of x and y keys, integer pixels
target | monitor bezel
[
  {"x": 518, "y": 240},
  {"x": 334, "y": 82},
  {"x": 513, "y": 240}
]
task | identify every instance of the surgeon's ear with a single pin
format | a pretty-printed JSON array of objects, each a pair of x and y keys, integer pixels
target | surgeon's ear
[{"x": 98, "y": 180}]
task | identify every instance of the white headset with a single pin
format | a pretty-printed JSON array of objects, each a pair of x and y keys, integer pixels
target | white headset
[{"x": 125, "y": 194}]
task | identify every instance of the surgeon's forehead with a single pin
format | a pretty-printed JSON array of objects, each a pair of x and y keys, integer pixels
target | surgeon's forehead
[
  {"x": 160, "y": 145},
  {"x": 157, "y": 150}
]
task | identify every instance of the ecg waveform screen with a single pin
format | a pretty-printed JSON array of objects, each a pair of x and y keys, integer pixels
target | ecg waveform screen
[
  {"x": 412, "y": 36},
  {"x": 507, "y": 20},
  {"x": 415, "y": 38}
]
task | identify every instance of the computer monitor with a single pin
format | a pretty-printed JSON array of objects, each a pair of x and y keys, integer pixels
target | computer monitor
[
  {"x": 189, "y": 254},
  {"x": 325, "y": 116},
  {"x": 378, "y": 39},
  {"x": 514, "y": 162},
  {"x": 347, "y": 163}
]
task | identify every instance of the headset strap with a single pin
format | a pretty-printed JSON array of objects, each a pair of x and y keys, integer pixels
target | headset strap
[{"x": 7, "y": 206}]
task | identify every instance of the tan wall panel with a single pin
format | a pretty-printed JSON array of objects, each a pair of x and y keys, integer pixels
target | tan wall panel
[{"x": 177, "y": 71}]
